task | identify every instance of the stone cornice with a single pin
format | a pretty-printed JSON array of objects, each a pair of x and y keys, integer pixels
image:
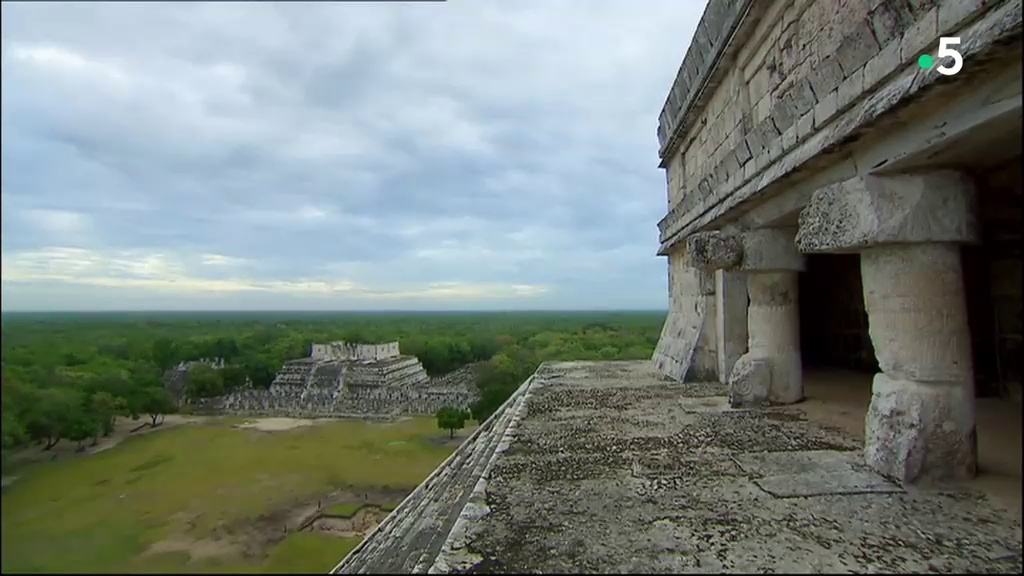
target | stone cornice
[{"x": 715, "y": 32}]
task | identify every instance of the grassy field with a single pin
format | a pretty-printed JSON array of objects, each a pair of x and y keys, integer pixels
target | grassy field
[{"x": 209, "y": 497}]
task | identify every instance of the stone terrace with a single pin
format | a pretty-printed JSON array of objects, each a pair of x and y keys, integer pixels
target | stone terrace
[{"x": 609, "y": 467}]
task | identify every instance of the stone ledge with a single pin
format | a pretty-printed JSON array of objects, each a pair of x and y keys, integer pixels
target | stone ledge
[
  {"x": 612, "y": 469},
  {"x": 425, "y": 516}
]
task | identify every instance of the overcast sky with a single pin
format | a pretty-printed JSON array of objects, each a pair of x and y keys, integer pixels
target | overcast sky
[{"x": 462, "y": 155}]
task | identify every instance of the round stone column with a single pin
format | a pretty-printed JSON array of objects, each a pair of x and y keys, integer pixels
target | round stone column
[
  {"x": 773, "y": 323},
  {"x": 771, "y": 370},
  {"x": 920, "y": 425}
]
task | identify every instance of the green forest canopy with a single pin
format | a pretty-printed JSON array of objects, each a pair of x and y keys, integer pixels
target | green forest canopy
[{"x": 66, "y": 375}]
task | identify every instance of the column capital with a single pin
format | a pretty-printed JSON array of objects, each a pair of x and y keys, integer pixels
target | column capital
[
  {"x": 873, "y": 210},
  {"x": 713, "y": 250},
  {"x": 761, "y": 250}
]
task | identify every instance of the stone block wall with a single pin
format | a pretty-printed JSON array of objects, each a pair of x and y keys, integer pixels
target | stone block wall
[
  {"x": 342, "y": 350},
  {"x": 799, "y": 65},
  {"x": 402, "y": 371},
  {"x": 397, "y": 387}
]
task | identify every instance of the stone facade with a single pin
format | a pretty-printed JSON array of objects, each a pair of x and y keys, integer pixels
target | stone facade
[
  {"x": 325, "y": 386},
  {"x": 807, "y": 127},
  {"x": 342, "y": 350}
]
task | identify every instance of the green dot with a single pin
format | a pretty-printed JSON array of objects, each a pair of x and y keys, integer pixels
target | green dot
[{"x": 925, "y": 61}]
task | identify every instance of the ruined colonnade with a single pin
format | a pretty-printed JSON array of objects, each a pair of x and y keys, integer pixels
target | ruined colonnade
[{"x": 907, "y": 230}]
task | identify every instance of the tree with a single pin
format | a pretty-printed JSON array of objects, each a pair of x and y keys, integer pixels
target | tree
[
  {"x": 226, "y": 348},
  {"x": 156, "y": 402},
  {"x": 13, "y": 431},
  {"x": 48, "y": 415},
  {"x": 451, "y": 419},
  {"x": 233, "y": 377},
  {"x": 164, "y": 353},
  {"x": 261, "y": 372},
  {"x": 204, "y": 382},
  {"x": 79, "y": 427},
  {"x": 105, "y": 407}
]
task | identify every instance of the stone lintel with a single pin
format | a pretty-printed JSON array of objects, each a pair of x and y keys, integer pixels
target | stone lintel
[
  {"x": 713, "y": 251},
  {"x": 770, "y": 250},
  {"x": 873, "y": 210},
  {"x": 761, "y": 250}
]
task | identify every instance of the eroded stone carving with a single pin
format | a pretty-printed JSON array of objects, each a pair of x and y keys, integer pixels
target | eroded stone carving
[
  {"x": 749, "y": 382},
  {"x": 921, "y": 432},
  {"x": 713, "y": 250},
  {"x": 872, "y": 210}
]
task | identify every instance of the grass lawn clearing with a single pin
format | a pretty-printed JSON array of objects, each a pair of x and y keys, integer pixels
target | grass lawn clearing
[{"x": 207, "y": 496}]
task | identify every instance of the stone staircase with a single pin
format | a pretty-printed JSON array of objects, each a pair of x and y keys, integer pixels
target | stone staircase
[{"x": 411, "y": 537}]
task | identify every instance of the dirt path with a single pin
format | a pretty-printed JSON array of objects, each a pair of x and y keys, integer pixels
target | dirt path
[
  {"x": 123, "y": 428},
  {"x": 278, "y": 424}
]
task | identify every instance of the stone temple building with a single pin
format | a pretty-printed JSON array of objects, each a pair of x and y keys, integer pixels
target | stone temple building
[
  {"x": 837, "y": 384},
  {"x": 342, "y": 379},
  {"x": 831, "y": 201}
]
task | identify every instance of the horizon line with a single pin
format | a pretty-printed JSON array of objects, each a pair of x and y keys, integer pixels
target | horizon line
[{"x": 326, "y": 311}]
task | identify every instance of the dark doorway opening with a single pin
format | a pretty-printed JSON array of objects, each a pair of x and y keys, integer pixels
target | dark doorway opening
[
  {"x": 833, "y": 322},
  {"x": 992, "y": 282}
]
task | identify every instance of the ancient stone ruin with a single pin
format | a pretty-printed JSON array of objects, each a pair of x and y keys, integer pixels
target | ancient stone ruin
[
  {"x": 843, "y": 192},
  {"x": 342, "y": 379},
  {"x": 831, "y": 201}
]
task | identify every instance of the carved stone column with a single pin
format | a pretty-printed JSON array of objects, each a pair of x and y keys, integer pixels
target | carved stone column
[
  {"x": 920, "y": 424},
  {"x": 770, "y": 370}
]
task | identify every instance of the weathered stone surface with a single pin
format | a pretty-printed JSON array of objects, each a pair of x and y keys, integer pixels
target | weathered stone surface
[
  {"x": 917, "y": 313},
  {"x": 865, "y": 211},
  {"x": 857, "y": 47},
  {"x": 826, "y": 76},
  {"x": 686, "y": 348},
  {"x": 889, "y": 20},
  {"x": 880, "y": 87},
  {"x": 920, "y": 425},
  {"x": 770, "y": 249},
  {"x": 720, "y": 17},
  {"x": 773, "y": 322},
  {"x": 750, "y": 381},
  {"x": 731, "y": 320},
  {"x": 921, "y": 432},
  {"x": 713, "y": 250},
  {"x": 815, "y": 473},
  {"x": 607, "y": 471}
]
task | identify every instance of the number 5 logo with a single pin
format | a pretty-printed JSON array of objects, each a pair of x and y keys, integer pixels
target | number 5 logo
[{"x": 945, "y": 49}]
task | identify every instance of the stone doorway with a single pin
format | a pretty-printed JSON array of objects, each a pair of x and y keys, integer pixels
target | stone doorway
[
  {"x": 833, "y": 321},
  {"x": 992, "y": 282},
  {"x": 838, "y": 357}
]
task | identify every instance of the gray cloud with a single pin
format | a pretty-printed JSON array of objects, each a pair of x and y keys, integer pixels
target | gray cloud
[{"x": 488, "y": 154}]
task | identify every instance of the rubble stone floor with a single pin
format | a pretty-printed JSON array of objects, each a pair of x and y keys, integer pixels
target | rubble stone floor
[{"x": 615, "y": 469}]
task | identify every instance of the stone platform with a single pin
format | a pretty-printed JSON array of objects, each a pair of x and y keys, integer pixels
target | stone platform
[{"x": 609, "y": 467}]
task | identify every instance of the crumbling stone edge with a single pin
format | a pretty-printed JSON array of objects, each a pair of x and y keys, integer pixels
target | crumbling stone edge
[
  {"x": 456, "y": 553},
  {"x": 516, "y": 402}
]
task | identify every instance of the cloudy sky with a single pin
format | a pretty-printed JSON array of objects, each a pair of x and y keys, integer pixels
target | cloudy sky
[{"x": 487, "y": 154}]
